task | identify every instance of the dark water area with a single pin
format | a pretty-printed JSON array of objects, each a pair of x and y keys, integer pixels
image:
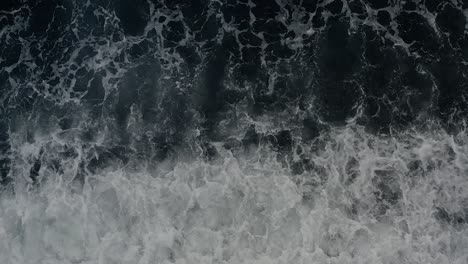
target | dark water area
[{"x": 219, "y": 131}]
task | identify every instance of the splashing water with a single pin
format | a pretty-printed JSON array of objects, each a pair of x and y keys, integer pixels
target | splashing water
[
  {"x": 233, "y": 132},
  {"x": 358, "y": 199}
]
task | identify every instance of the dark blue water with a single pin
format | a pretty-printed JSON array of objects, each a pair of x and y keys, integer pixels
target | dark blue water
[{"x": 280, "y": 131}]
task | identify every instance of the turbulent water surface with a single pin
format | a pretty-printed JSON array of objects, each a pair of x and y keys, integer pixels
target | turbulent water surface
[{"x": 233, "y": 131}]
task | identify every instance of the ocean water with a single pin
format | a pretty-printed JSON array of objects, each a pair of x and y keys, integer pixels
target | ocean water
[{"x": 216, "y": 131}]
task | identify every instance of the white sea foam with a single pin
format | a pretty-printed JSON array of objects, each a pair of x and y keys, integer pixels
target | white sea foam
[{"x": 249, "y": 208}]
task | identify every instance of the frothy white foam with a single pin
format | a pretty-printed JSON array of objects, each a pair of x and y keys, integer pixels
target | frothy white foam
[{"x": 367, "y": 200}]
